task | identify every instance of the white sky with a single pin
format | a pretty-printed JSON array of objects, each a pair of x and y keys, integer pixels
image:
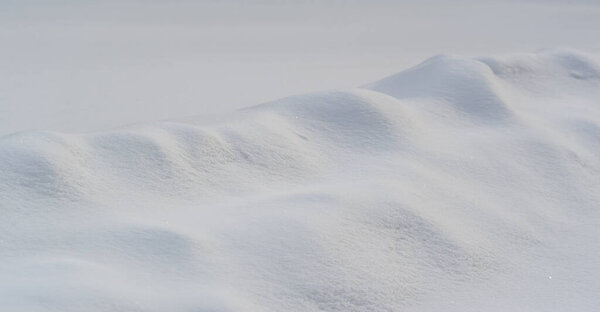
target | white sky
[{"x": 88, "y": 65}]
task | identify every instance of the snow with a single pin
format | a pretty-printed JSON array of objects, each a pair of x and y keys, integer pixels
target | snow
[{"x": 461, "y": 184}]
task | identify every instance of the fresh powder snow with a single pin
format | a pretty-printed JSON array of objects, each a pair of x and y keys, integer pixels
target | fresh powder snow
[{"x": 460, "y": 184}]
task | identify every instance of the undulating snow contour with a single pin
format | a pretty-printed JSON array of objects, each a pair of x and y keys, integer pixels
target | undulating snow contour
[{"x": 460, "y": 184}]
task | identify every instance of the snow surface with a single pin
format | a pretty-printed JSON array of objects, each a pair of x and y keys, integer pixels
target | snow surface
[{"x": 460, "y": 184}]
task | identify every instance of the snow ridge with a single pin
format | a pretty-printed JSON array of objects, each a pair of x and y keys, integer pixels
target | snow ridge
[{"x": 459, "y": 184}]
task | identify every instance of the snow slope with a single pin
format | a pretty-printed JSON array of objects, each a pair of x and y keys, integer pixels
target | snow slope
[{"x": 460, "y": 184}]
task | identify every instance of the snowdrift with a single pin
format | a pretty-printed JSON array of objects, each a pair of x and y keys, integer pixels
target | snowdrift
[{"x": 460, "y": 184}]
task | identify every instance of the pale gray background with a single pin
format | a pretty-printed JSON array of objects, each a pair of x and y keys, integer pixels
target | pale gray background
[{"x": 88, "y": 65}]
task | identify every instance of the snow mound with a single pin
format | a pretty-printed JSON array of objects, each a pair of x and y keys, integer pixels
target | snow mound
[{"x": 459, "y": 184}]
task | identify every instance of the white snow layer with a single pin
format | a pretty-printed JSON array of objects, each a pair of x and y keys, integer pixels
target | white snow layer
[{"x": 460, "y": 184}]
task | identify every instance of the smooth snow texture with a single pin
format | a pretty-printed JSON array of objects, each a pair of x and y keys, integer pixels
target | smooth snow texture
[{"x": 460, "y": 184}]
